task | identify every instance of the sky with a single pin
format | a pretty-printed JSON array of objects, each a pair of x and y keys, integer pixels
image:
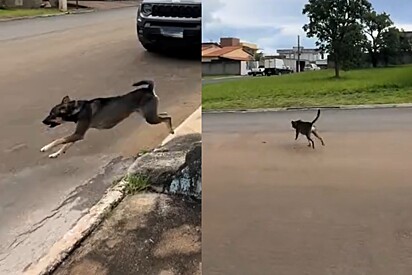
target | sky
[{"x": 275, "y": 24}]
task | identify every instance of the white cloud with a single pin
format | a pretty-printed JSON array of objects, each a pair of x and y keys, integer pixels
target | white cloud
[
  {"x": 404, "y": 26},
  {"x": 271, "y": 24}
]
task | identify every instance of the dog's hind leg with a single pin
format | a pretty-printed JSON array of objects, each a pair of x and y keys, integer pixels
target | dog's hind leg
[
  {"x": 316, "y": 134},
  {"x": 311, "y": 142},
  {"x": 150, "y": 114}
]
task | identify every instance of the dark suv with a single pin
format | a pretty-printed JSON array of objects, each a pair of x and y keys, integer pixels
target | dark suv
[{"x": 163, "y": 24}]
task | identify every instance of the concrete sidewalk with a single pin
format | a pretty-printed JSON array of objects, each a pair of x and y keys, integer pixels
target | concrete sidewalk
[{"x": 147, "y": 233}]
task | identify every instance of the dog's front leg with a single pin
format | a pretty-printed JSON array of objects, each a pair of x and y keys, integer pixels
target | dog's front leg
[
  {"x": 62, "y": 150},
  {"x": 68, "y": 141},
  {"x": 52, "y": 144}
]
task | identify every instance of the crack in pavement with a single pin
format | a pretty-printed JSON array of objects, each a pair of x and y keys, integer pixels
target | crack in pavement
[
  {"x": 34, "y": 228},
  {"x": 16, "y": 242},
  {"x": 70, "y": 198}
]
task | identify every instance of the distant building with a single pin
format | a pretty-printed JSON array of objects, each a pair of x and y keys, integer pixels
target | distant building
[
  {"x": 229, "y": 57},
  {"x": 246, "y": 46},
  {"x": 315, "y": 56},
  {"x": 24, "y": 4}
]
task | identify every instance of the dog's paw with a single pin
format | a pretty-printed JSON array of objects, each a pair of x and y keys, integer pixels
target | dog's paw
[
  {"x": 44, "y": 149},
  {"x": 54, "y": 155}
]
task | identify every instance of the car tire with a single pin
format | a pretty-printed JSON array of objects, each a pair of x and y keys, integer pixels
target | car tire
[{"x": 150, "y": 47}]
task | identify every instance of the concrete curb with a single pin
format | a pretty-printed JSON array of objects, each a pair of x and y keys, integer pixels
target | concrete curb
[
  {"x": 341, "y": 107},
  {"x": 62, "y": 248},
  {"x": 46, "y": 15},
  {"x": 89, "y": 222},
  {"x": 185, "y": 126}
]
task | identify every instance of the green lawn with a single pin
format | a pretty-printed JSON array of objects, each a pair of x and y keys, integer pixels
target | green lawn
[
  {"x": 217, "y": 76},
  {"x": 13, "y": 13},
  {"x": 309, "y": 89}
]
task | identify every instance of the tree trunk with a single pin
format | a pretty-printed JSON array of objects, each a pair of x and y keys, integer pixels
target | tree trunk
[
  {"x": 336, "y": 66},
  {"x": 374, "y": 60}
]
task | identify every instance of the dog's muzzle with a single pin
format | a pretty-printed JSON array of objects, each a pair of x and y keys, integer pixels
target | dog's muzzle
[{"x": 50, "y": 122}]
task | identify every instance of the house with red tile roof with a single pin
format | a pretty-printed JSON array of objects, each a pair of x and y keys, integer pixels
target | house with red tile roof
[{"x": 229, "y": 57}]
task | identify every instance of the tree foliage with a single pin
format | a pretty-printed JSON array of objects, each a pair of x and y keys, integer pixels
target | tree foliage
[
  {"x": 258, "y": 56},
  {"x": 348, "y": 29},
  {"x": 337, "y": 25},
  {"x": 377, "y": 29}
]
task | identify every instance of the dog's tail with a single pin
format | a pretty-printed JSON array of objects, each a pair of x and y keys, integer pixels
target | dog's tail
[
  {"x": 149, "y": 83},
  {"x": 317, "y": 116}
]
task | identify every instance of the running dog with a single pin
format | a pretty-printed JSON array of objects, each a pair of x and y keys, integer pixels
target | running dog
[
  {"x": 104, "y": 113},
  {"x": 307, "y": 128}
]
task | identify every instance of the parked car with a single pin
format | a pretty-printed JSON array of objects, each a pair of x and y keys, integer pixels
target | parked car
[
  {"x": 257, "y": 71},
  {"x": 311, "y": 67},
  {"x": 163, "y": 24}
]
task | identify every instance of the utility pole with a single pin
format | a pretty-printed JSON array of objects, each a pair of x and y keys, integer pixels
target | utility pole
[
  {"x": 63, "y": 5},
  {"x": 298, "y": 66}
]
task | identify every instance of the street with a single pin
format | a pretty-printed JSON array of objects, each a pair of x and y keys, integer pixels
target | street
[
  {"x": 83, "y": 56},
  {"x": 272, "y": 205}
]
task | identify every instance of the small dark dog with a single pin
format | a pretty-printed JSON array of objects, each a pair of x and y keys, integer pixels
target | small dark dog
[
  {"x": 104, "y": 113},
  {"x": 307, "y": 128}
]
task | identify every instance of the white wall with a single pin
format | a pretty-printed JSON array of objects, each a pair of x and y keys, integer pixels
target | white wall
[
  {"x": 243, "y": 67},
  {"x": 222, "y": 68}
]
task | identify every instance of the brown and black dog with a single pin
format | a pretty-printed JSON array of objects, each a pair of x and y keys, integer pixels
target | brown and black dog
[
  {"x": 104, "y": 113},
  {"x": 307, "y": 128}
]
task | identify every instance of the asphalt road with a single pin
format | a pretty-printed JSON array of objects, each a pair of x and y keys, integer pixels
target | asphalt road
[
  {"x": 84, "y": 56},
  {"x": 271, "y": 205}
]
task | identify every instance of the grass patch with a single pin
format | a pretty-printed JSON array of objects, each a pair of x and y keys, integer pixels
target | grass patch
[
  {"x": 144, "y": 151},
  {"x": 14, "y": 13},
  {"x": 315, "y": 88},
  {"x": 136, "y": 184}
]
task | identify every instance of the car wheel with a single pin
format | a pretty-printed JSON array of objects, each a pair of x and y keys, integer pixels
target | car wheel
[{"x": 150, "y": 47}]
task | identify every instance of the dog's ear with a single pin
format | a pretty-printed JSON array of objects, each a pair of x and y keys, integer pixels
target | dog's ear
[
  {"x": 77, "y": 107},
  {"x": 66, "y": 99}
]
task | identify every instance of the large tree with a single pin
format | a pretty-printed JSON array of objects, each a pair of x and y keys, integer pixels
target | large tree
[
  {"x": 391, "y": 48},
  {"x": 377, "y": 28},
  {"x": 336, "y": 24}
]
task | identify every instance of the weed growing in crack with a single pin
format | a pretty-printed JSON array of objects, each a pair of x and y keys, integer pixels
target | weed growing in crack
[
  {"x": 136, "y": 184},
  {"x": 143, "y": 152}
]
